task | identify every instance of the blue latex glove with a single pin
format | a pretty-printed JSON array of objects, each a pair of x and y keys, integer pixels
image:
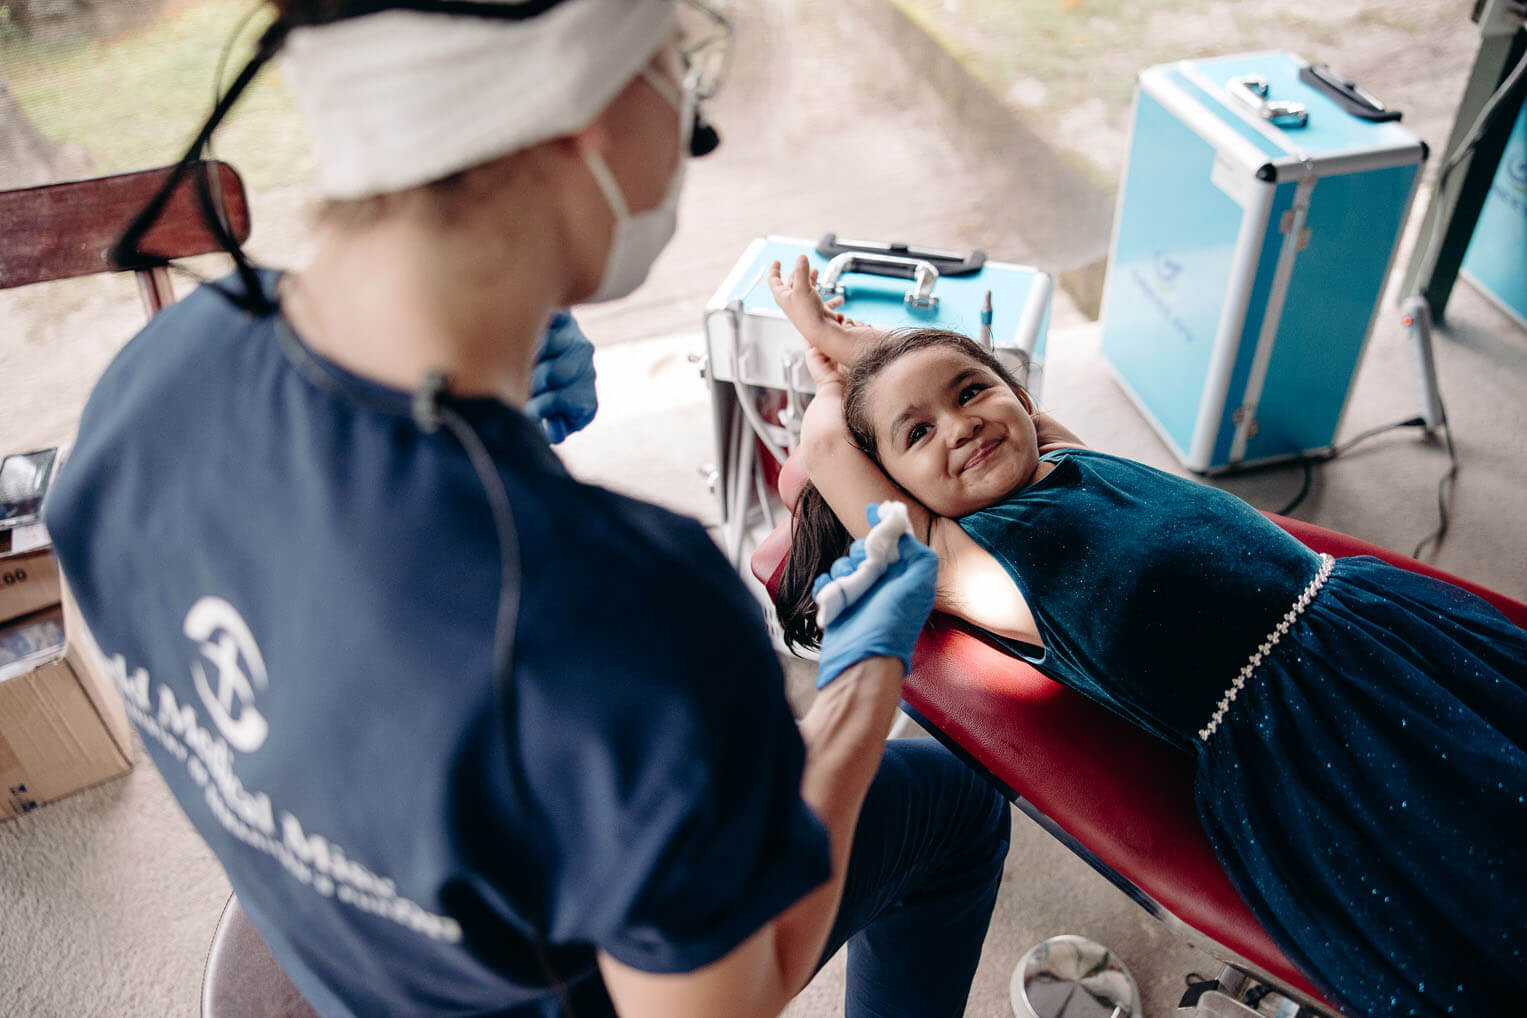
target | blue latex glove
[
  {"x": 562, "y": 393},
  {"x": 887, "y": 620}
]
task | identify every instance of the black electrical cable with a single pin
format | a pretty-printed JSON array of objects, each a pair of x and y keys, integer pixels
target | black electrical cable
[
  {"x": 1444, "y": 486},
  {"x": 1486, "y": 117},
  {"x": 1304, "y": 487},
  {"x": 128, "y": 252},
  {"x": 1254, "y": 996},
  {"x": 1409, "y": 422},
  {"x": 1307, "y": 460}
]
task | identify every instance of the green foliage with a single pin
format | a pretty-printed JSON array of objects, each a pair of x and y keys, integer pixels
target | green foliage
[
  {"x": 10, "y": 31},
  {"x": 136, "y": 100}
]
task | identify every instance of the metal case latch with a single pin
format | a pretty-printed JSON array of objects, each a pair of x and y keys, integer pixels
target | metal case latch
[{"x": 1251, "y": 89}]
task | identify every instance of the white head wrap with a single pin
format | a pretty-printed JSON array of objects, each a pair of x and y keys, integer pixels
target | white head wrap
[{"x": 400, "y": 98}]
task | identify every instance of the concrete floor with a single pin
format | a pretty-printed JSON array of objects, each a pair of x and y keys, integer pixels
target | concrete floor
[{"x": 108, "y": 900}]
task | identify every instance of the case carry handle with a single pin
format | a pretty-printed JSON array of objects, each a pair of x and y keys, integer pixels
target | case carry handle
[
  {"x": 1251, "y": 89},
  {"x": 1348, "y": 95},
  {"x": 920, "y": 270},
  {"x": 948, "y": 263}
]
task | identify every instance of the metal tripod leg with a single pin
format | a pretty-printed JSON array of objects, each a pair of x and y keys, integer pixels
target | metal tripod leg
[{"x": 1434, "y": 267}]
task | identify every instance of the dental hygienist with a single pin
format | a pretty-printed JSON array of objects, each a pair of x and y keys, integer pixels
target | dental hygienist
[{"x": 468, "y": 736}]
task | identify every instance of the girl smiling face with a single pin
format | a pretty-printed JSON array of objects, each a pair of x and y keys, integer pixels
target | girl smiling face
[{"x": 950, "y": 431}]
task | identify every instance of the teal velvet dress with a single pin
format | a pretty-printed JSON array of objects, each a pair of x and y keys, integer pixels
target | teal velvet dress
[{"x": 1366, "y": 787}]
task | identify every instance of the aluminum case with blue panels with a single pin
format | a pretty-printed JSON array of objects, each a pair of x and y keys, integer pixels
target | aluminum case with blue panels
[
  {"x": 755, "y": 360},
  {"x": 1496, "y": 262},
  {"x": 1258, "y": 220}
]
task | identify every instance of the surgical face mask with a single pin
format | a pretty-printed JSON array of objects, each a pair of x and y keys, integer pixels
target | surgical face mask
[{"x": 641, "y": 236}]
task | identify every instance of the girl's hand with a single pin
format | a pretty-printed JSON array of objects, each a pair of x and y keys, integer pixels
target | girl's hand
[
  {"x": 797, "y": 297},
  {"x": 818, "y": 321},
  {"x": 1051, "y": 434}
]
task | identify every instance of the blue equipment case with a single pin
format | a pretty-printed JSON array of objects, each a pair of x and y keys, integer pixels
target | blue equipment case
[
  {"x": 755, "y": 360},
  {"x": 1496, "y": 262},
  {"x": 1258, "y": 220}
]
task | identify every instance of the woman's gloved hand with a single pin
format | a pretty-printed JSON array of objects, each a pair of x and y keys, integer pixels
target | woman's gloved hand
[
  {"x": 562, "y": 393},
  {"x": 887, "y": 618}
]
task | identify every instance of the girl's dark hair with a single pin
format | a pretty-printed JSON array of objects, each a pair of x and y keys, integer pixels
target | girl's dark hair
[{"x": 818, "y": 538}]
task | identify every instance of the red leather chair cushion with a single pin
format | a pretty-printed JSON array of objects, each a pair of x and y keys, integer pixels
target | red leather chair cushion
[
  {"x": 792, "y": 478},
  {"x": 1123, "y": 795}
]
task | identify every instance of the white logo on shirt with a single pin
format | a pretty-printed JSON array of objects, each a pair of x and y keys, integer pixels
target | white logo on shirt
[{"x": 225, "y": 640}]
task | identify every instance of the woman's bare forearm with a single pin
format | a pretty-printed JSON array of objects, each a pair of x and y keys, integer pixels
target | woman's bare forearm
[{"x": 844, "y": 732}]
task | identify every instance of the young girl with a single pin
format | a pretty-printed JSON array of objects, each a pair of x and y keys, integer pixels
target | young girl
[{"x": 1360, "y": 730}]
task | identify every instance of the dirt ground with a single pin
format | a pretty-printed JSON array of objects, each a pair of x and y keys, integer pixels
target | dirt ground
[{"x": 1067, "y": 67}]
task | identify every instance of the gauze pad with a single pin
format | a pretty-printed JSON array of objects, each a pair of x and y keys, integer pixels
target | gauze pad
[{"x": 879, "y": 552}]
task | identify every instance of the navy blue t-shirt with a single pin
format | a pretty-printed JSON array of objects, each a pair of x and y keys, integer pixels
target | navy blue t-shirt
[{"x": 297, "y": 589}]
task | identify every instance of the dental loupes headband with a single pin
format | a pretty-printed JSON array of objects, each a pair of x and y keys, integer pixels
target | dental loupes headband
[{"x": 397, "y": 96}]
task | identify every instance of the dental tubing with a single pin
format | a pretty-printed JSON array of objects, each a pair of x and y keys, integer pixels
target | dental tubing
[{"x": 879, "y": 552}]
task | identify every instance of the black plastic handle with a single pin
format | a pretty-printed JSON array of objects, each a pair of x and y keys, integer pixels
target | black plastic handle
[
  {"x": 948, "y": 263},
  {"x": 1348, "y": 95}
]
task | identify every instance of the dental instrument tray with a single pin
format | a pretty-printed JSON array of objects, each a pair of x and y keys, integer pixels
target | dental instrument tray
[
  {"x": 748, "y": 339},
  {"x": 755, "y": 361}
]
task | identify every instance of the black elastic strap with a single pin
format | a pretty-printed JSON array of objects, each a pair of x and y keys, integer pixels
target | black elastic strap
[
  {"x": 128, "y": 253},
  {"x": 521, "y": 11}
]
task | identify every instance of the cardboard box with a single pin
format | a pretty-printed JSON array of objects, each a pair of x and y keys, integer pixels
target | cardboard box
[
  {"x": 62, "y": 724},
  {"x": 28, "y": 572}
]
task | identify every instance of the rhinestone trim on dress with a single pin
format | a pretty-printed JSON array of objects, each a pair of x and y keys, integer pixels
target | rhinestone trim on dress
[{"x": 1283, "y": 626}]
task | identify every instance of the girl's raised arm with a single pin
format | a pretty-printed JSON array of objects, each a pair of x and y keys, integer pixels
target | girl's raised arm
[
  {"x": 847, "y": 478},
  {"x": 839, "y": 338}
]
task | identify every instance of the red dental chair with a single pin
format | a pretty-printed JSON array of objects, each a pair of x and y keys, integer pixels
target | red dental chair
[{"x": 1116, "y": 796}]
